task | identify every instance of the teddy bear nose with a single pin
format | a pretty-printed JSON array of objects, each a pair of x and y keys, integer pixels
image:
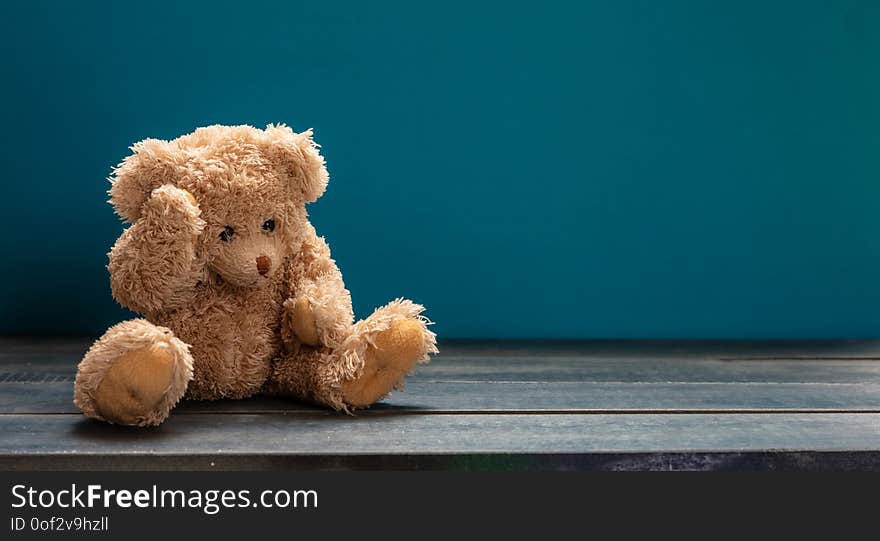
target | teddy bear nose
[{"x": 263, "y": 265}]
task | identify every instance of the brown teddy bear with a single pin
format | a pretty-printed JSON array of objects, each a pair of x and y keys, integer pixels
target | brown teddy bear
[{"x": 240, "y": 295}]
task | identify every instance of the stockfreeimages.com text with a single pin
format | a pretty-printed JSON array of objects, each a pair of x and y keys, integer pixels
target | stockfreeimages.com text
[{"x": 210, "y": 501}]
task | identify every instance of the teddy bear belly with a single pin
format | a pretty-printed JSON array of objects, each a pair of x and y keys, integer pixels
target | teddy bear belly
[
  {"x": 234, "y": 369},
  {"x": 232, "y": 350}
]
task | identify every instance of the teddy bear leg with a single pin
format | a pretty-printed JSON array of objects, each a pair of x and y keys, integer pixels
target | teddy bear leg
[
  {"x": 310, "y": 374},
  {"x": 374, "y": 358},
  {"x": 133, "y": 375},
  {"x": 392, "y": 354},
  {"x": 396, "y": 337}
]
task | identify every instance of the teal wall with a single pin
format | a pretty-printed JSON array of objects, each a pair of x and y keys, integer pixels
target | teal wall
[{"x": 535, "y": 169}]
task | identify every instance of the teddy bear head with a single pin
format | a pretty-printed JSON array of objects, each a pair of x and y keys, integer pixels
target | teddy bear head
[{"x": 250, "y": 185}]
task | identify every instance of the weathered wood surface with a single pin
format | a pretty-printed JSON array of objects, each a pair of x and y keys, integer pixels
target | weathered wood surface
[
  {"x": 493, "y": 405},
  {"x": 42, "y": 348},
  {"x": 320, "y": 432},
  {"x": 475, "y": 397},
  {"x": 627, "y": 361}
]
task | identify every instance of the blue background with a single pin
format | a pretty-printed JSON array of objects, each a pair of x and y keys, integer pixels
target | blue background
[{"x": 594, "y": 169}]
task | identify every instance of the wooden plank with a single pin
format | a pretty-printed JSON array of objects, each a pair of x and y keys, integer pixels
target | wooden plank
[
  {"x": 769, "y": 460},
  {"x": 440, "y": 397},
  {"x": 582, "y": 361},
  {"x": 571, "y": 369},
  {"x": 750, "y": 461},
  {"x": 75, "y": 347},
  {"x": 340, "y": 436},
  {"x": 686, "y": 370},
  {"x": 70, "y": 350}
]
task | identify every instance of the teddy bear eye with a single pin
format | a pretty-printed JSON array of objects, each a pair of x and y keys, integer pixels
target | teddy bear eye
[
  {"x": 269, "y": 225},
  {"x": 227, "y": 233}
]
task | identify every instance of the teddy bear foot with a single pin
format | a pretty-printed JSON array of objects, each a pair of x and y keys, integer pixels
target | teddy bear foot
[
  {"x": 392, "y": 355},
  {"x": 133, "y": 375},
  {"x": 134, "y": 386}
]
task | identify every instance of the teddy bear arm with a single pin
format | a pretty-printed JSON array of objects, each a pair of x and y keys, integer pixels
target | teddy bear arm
[
  {"x": 152, "y": 263},
  {"x": 319, "y": 310}
]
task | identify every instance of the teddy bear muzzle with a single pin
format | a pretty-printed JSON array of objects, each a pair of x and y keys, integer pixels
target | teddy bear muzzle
[{"x": 263, "y": 265}]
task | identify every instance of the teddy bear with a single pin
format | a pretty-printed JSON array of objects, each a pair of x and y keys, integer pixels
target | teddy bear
[{"x": 238, "y": 293}]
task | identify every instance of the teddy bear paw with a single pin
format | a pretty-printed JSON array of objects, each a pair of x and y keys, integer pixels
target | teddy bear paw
[
  {"x": 134, "y": 387},
  {"x": 393, "y": 354}
]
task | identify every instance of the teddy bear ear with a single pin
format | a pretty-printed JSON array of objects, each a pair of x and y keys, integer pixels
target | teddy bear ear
[
  {"x": 298, "y": 156},
  {"x": 152, "y": 163}
]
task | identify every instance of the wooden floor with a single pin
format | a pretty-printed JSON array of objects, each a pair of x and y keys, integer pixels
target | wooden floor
[{"x": 493, "y": 406}]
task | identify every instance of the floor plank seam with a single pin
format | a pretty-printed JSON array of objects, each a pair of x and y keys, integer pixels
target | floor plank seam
[
  {"x": 473, "y": 412},
  {"x": 567, "y": 382}
]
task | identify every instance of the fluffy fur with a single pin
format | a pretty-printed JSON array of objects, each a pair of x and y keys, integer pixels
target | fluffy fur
[{"x": 235, "y": 283}]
